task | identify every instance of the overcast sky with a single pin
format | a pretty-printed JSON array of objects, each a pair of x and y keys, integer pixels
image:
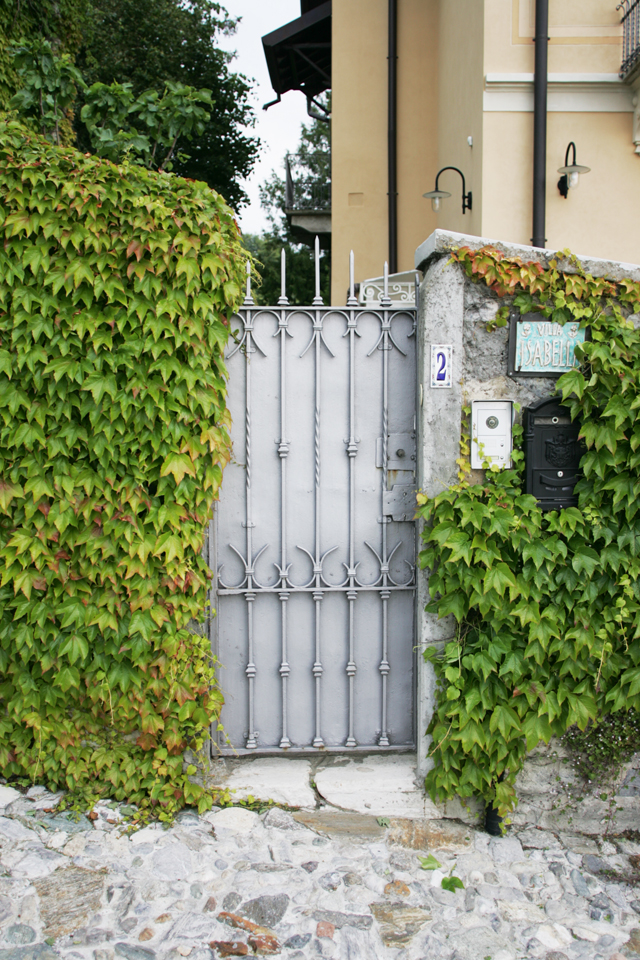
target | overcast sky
[{"x": 279, "y": 127}]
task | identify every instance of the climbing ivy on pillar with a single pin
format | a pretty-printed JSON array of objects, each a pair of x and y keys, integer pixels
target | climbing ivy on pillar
[
  {"x": 545, "y": 604},
  {"x": 116, "y": 289}
]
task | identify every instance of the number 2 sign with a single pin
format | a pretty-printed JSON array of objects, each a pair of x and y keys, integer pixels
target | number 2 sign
[{"x": 441, "y": 364}]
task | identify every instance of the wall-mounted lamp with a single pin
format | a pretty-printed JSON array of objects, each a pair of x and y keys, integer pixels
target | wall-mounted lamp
[
  {"x": 437, "y": 195},
  {"x": 570, "y": 178}
]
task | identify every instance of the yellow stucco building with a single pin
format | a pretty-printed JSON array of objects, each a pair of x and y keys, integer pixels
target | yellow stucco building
[{"x": 464, "y": 97}]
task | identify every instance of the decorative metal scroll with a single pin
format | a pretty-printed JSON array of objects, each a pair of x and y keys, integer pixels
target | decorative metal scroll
[
  {"x": 306, "y": 571},
  {"x": 399, "y": 288}
]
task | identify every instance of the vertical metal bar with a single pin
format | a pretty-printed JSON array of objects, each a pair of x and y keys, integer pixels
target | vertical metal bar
[
  {"x": 352, "y": 300},
  {"x": 250, "y": 670},
  {"x": 213, "y": 602},
  {"x": 317, "y": 300},
  {"x": 352, "y": 451},
  {"x": 283, "y": 279},
  {"x": 283, "y": 453},
  {"x": 318, "y": 593},
  {"x": 285, "y": 670},
  {"x": 384, "y": 592},
  {"x": 248, "y": 300},
  {"x": 318, "y": 670}
]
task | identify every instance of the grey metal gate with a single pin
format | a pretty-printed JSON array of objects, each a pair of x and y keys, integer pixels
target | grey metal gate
[{"x": 314, "y": 534}]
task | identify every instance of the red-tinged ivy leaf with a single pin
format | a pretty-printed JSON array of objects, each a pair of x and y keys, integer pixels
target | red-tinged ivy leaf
[
  {"x": 146, "y": 741},
  {"x": 8, "y": 491},
  {"x": 136, "y": 249}
]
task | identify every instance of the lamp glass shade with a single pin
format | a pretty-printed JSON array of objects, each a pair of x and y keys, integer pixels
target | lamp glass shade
[
  {"x": 436, "y": 196},
  {"x": 574, "y": 168},
  {"x": 574, "y": 180}
]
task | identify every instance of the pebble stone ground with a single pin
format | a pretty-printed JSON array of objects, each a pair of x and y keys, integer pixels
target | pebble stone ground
[{"x": 302, "y": 885}]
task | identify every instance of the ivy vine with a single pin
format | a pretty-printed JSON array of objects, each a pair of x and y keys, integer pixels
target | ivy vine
[
  {"x": 116, "y": 288},
  {"x": 546, "y": 604}
]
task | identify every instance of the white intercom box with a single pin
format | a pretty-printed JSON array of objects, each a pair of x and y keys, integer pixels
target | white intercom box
[{"x": 491, "y": 432}]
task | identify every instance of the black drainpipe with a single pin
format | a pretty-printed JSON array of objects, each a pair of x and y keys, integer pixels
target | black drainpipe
[
  {"x": 392, "y": 137},
  {"x": 540, "y": 123}
]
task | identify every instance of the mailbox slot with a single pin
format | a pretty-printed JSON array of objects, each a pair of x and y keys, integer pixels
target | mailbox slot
[{"x": 552, "y": 454}]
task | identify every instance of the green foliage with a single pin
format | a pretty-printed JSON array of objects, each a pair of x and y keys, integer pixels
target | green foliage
[
  {"x": 452, "y": 884},
  {"x": 599, "y": 752},
  {"x": 146, "y": 43},
  {"x": 58, "y": 21},
  {"x": 116, "y": 288},
  {"x": 147, "y": 127},
  {"x": 546, "y": 604},
  {"x": 429, "y": 863},
  {"x": 49, "y": 85}
]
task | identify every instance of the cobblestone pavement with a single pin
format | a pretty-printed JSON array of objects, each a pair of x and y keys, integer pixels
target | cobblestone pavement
[{"x": 302, "y": 885}]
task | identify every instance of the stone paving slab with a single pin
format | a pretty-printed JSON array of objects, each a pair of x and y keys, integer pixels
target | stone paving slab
[
  {"x": 381, "y": 786},
  {"x": 337, "y": 823},
  {"x": 280, "y": 779},
  {"x": 307, "y": 884}
]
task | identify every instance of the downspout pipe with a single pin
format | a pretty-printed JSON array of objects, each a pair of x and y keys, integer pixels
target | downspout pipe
[
  {"x": 392, "y": 136},
  {"x": 540, "y": 123}
]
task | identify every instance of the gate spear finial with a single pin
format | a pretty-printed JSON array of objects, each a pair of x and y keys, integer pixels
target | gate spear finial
[{"x": 317, "y": 300}]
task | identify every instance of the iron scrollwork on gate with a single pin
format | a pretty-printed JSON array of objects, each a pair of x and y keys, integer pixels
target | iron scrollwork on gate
[{"x": 252, "y": 585}]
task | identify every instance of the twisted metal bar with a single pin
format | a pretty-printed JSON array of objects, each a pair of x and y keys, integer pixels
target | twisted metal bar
[{"x": 250, "y": 670}]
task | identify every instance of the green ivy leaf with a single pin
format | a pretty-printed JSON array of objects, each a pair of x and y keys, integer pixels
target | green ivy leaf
[{"x": 452, "y": 884}]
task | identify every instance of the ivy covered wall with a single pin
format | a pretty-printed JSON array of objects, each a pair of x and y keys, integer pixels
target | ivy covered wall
[
  {"x": 116, "y": 289},
  {"x": 531, "y": 619}
]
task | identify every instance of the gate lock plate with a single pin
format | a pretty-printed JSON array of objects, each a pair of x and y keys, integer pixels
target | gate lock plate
[
  {"x": 399, "y": 503},
  {"x": 401, "y": 451}
]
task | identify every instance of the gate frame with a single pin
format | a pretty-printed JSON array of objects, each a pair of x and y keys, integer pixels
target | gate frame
[{"x": 386, "y": 311}]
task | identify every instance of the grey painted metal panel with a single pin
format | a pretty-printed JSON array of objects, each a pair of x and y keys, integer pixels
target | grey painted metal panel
[{"x": 315, "y": 586}]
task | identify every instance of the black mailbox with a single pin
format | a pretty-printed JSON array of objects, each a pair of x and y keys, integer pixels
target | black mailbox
[{"x": 552, "y": 454}]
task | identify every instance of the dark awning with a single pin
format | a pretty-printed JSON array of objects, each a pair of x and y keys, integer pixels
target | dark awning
[{"x": 299, "y": 54}]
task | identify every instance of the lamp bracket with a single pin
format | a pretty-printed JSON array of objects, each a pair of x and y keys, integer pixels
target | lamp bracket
[{"x": 467, "y": 198}]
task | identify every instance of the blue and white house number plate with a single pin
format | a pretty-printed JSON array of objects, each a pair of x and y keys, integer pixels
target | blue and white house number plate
[{"x": 441, "y": 364}]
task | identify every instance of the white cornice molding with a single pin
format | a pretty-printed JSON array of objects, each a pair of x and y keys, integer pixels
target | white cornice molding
[{"x": 567, "y": 93}]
